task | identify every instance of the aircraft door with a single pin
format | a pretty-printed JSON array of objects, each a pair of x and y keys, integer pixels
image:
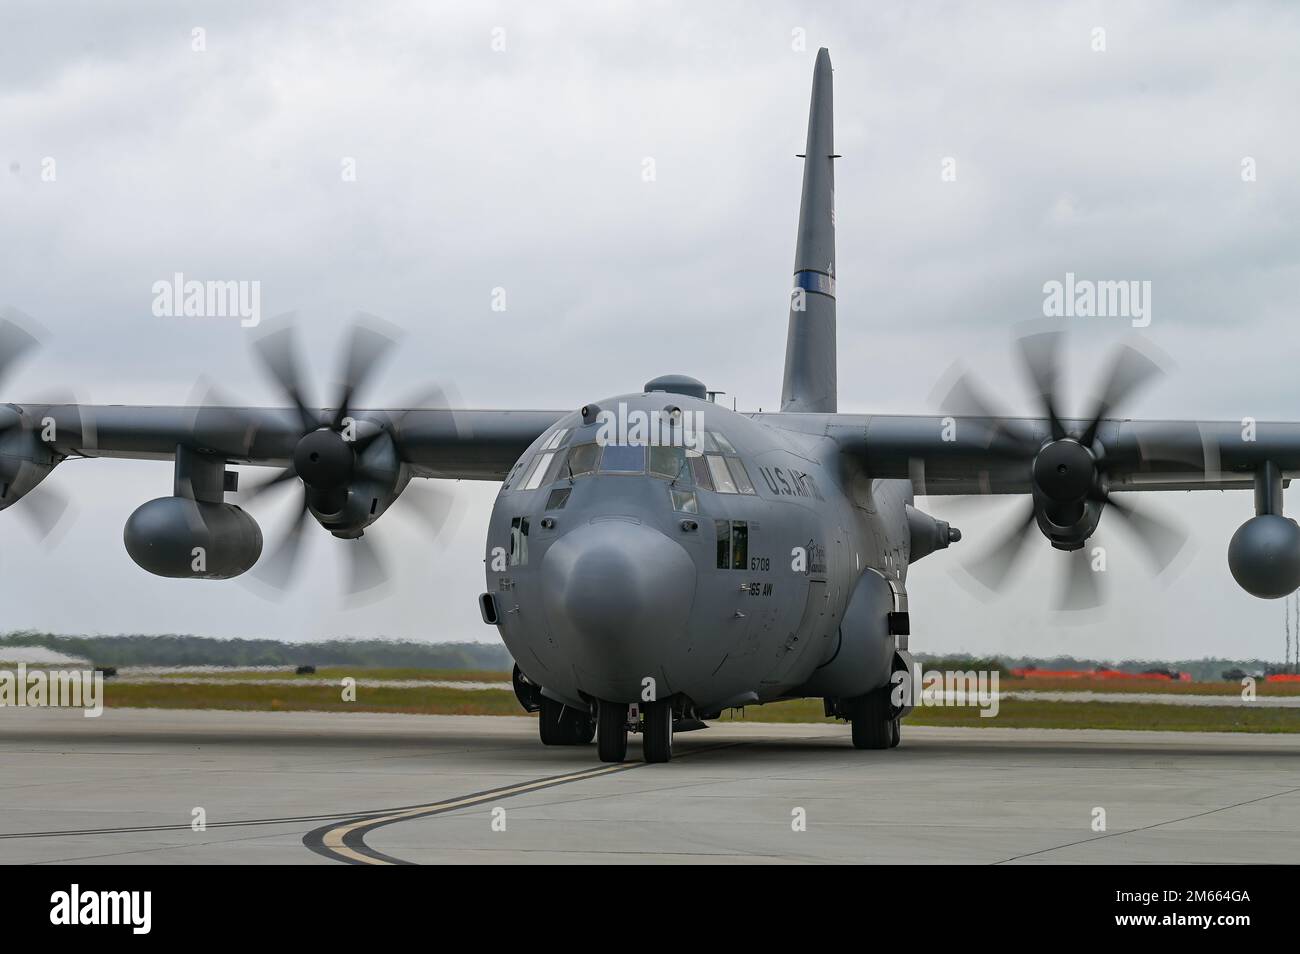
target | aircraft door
[{"x": 812, "y": 628}]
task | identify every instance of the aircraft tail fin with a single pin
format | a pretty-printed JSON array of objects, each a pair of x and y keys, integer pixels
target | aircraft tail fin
[{"x": 810, "y": 359}]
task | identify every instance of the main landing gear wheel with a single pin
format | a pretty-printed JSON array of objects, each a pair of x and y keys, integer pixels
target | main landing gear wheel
[
  {"x": 895, "y": 732},
  {"x": 873, "y": 720},
  {"x": 611, "y": 731},
  {"x": 657, "y": 735},
  {"x": 558, "y": 724},
  {"x": 585, "y": 730}
]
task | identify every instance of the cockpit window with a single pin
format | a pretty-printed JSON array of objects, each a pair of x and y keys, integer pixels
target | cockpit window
[
  {"x": 700, "y": 471},
  {"x": 667, "y": 461},
  {"x": 540, "y": 466},
  {"x": 623, "y": 459},
  {"x": 715, "y": 471},
  {"x": 582, "y": 459},
  {"x": 727, "y": 475},
  {"x": 740, "y": 475},
  {"x": 721, "y": 476},
  {"x": 558, "y": 468},
  {"x": 518, "y": 541},
  {"x": 684, "y": 501},
  {"x": 556, "y": 439},
  {"x": 514, "y": 472},
  {"x": 718, "y": 443}
]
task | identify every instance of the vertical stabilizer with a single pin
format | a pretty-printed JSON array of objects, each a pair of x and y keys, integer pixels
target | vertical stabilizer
[{"x": 810, "y": 342}]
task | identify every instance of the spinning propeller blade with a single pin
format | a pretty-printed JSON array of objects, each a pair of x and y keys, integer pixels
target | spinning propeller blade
[{"x": 1067, "y": 474}]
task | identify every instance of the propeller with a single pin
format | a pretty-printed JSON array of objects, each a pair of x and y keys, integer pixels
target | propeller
[
  {"x": 366, "y": 568},
  {"x": 331, "y": 455},
  {"x": 1068, "y": 470},
  {"x": 325, "y": 458},
  {"x": 43, "y": 506}
]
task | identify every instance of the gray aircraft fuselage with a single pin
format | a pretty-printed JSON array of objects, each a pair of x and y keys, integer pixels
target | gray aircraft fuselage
[{"x": 723, "y": 598}]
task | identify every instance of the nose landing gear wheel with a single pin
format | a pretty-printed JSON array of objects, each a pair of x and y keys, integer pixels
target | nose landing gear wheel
[
  {"x": 873, "y": 720},
  {"x": 611, "y": 731},
  {"x": 558, "y": 724},
  {"x": 657, "y": 736}
]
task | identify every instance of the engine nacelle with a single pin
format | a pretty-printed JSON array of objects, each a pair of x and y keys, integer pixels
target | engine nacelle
[
  {"x": 25, "y": 460},
  {"x": 1264, "y": 556},
  {"x": 374, "y": 481},
  {"x": 348, "y": 511},
  {"x": 182, "y": 538}
]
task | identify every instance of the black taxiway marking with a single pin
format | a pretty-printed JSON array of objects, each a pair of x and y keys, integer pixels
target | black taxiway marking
[
  {"x": 347, "y": 842},
  {"x": 130, "y": 829}
]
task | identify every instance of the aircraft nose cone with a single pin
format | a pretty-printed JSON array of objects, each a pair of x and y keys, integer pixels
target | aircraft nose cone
[{"x": 619, "y": 593}]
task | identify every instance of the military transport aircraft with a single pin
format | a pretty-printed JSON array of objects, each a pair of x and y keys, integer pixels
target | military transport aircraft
[{"x": 654, "y": 558}]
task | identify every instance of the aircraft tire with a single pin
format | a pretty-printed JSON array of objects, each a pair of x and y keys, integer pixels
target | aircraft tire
[
  {"x": 657, "y": 737},
  {"x": 558, "y": 724},
  {"x": 584, "y": 730},
  {"x": 611, "y": 731},
  {"x": 871, "y": 720}
]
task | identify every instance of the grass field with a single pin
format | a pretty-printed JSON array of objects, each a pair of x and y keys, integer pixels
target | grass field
[
  {"x": 335, "y": 673},
  {"x": 181, "y": 695},
  {"x": 1013, "y": 713},
  {"x": 1030, "y": 714},
  {"x": 1262, "y": 688}
]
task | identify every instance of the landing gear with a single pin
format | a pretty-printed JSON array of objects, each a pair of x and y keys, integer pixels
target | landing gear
[
  {"x": 585, "y": 731},
  {"x": 872, "y": 717},
  {"x": 657, "y": 737},
  {"x": 559, "y": 724},
  {"x": 895, "y": 731},
  {"x": 611, "y": 731}
]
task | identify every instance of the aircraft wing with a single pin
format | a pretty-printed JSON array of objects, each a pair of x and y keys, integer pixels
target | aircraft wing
[
  {"x": 455, "y": 444},
  {"x": 1068, "y": 472},
  {"x": 960, "y": 455},
  {"x": 349, "y": 465}
]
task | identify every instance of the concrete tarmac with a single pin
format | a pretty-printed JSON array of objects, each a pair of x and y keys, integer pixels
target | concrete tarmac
[{"x": 130, "y": 787}]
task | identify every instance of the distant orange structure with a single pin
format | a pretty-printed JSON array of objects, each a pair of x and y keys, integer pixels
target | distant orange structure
[
  {"x": 1103, "y": 674},
  {"x": 1283, "y": 677}
]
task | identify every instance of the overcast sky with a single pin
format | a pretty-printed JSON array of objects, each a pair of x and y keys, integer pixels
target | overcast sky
[{"x": 522, "y": 168}]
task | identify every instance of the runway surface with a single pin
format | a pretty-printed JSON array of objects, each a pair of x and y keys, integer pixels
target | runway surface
[{"x": 364, "y": 788}]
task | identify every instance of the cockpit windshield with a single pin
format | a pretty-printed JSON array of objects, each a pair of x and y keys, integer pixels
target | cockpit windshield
[
  {"x": 623, "y": 459},
  {"x": 582, "y": 460},
  {"x": 712, "y": 465}
]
